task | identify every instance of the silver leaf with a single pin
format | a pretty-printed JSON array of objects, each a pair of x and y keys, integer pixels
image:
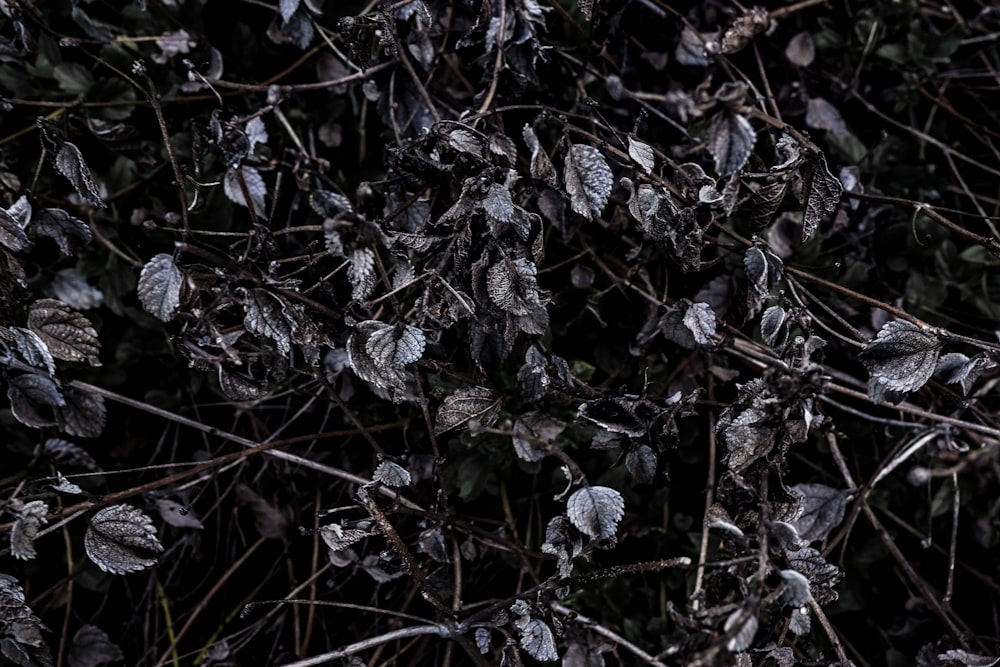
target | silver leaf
[
  {"x": 113, "y": 536},
  {"x": 159, "y": 287},
  {"x": 588, "y": 180},
  {"x": 596, "y": 511}
]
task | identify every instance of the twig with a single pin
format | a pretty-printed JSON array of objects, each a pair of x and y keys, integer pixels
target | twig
[
  {"x": 371, "y": 642},
  {"x": 591, "y": 624}
]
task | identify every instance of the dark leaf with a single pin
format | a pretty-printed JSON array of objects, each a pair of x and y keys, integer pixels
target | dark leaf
[
  {"x": 772, "y": 326},
  {"x": 470, "y": 407},
  {"x": 159, "y": 287},
  {"x": 763, "y": 268},
  {"x": 238, "y": 387},
  {"x": 800, "y": 50},
  {"x": 747, "y": 436},
  {"x": 730, "y": 141},
  {"x": 819, "y": 194},
  {"x": 67, "y": 334},
  {"x": 20, "y": 630},
  {"x": 742, "y": 625},
  {"x": 960, "y": 658},
  {"x": 617, "y": 415},
  {"x": 69, "y": 162},
  {"x": 700, "y": 321},
  {"x": 113, "y": 536},
  {"x": 766, "y": 199},
  {"x": 541, "y": 166},
  {"x": 73, "y": 289},
  {"x": 62, "y": 228},
  {"x": 92, "y": 647},
  {"x": 821, "y": 115},
  {"x": 269, "y": 519},
  {"x": 33, "y": 349},
  {"x": 93, "y": 29},
  {"x": 744, "y": 28},
  {"x": 287, "y": 8},
  {"x": 536, "y": 638},
  {"x": 12, "y": 224},
  {"x": 529, "y": 429},
  {"x": 957, "y": 368},
  {"x": 339, "y": 538},
  {"x": 266, "y": 316},
  {"x": 821, "y": 510},
  {"x": 68, "y": 453},
  {"x": 596, "y": 511},
  {"x": 533, "y": 376},
  {"x": 641, "y": 464},
  {"x": 83, "y": 415},
  {"x": 901, "y": 358},
  {"x": 588, "y": 180},
  {"x": 255, "y": 188}
]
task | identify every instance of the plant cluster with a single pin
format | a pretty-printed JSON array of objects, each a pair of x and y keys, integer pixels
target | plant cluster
[{"x": 502, "y": 332}]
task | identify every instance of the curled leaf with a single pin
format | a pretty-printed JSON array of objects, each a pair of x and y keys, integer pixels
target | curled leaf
[
  {"x": 588, "y": 180},
  {"x": 730, "y": 141},
  {"x": 596, "y": 511},
  {"x": 69, "y": 162},
  {"x": 30, "y": 517},
  {"x": 114, "y": 535}
]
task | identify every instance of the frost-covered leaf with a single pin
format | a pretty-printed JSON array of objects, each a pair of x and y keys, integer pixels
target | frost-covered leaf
[
  {"x": 800, "y": 622},
  {"x": 391, "y": 474},
  {"x": 541, "y": 166},
  {"x": 63, "y": 485},
  {"x": 30, "y": 517},
  {"x": 13, "y": 220},
  {"x": 83, "y": 414},
  {"x": 339, "y": 538},
  {"x": 330, "y": 204},
  {"x": 801, "y": 50},
  {"x": 178, "y": 515},
  {"x": 819, "y": 194},
  {"x": 747, "y": 436},
  {"x": 73, "y": 289},
  {"x": 641, "y": 464},
  {"x": 92, "y": 647},
  {"x": 362, "y": 273},
  {"x": 159, "y": 287},
  {"x": 265, "y": 316},
  {"x": 596, "y": 511},
  {"x": 642, "y": 154},
  {"x": 530, "y": 428},
  {"x": 796, "y": 588},
  {"x": 821, "y": 510},
  {"x": 742, "y": 624},
  {"x": 772, "y": 326},
  {"x": 730, "y": 141},
  {"x": 69, "y": 162},
  {"x": 901, "y": 358},
  {"x": 717, "y": 517},
  {"x": 588, "y": 180},
  {"x": 287, "y": 8},
  {"x": 65, "y": 452},
  {"x": 113, "y": 536},
  {"x": 537, "y": 639},
  {"x": 62, "y": 228},
  {"x": 497, "y": 204},
  {"x": 766, "y": 199},
  {"x": 763, "y": 268},
  {"x": 239, "y": 387},
  {"x": 957, "y": 657},
  {"x": 255, "y": 188},
  {"x": 483, "y": 640},
  {"x": 396, "y": 345},
  {"x": 955, "y": 367},
  {"x": 21, "y": 641},
  {"x": 464, "y": 141},
  {"x": 391, "y": 343},
  {"x": 471, "y": 406},
  {"x": 33, "y": 349},
  {"x": 700, "y": 321},
  {"x": 564, "y": 542},
  {"x": 821, "y": 575},
  {"x": 68, "y": 335}
]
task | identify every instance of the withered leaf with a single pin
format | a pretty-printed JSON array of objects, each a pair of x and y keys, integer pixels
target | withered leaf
[
  {"x": 819, "y": 195},
  {"x": 641, "y": 464},
  {"x": 730, "y": 141},
  {"x": 533, "y": 376},
  {"x": 643, "y": 155},
  {"x": 763, "y": 268},
  {"x": 83, "y": 414},
  {"x": 13, "y": 220},
  {"x": 92, "y": 647},
  {"x": 69, "y": 162},
  {"x": 467, "y": 407},
  {"x": 498, "y": 205},
  {"x": 32, "y": 398},
  {"x": 113, "y": 536},
  {"x": 159, "y": 287},
  {"x": 529, "y": 429},
  {"x": 772, "y": 326},
  {"x": 955, "y": 367},
  {"x": 766, "y": 199},
  {"x": 395, "y": 345},
  {"x": 62, "y": 228},
  {"x": 69, "y": 453},
  {"x": 744, "y": 28},
  {"x": 541, "y": 166},
  {"x": 536, "y": 638},
  {"x": 30, "y": 517},
  {"x": 361, "y": 273},
  {"x": 391, "y": 474},
  {"x": 588, "y": 180},
  {"x": 596, "y": 511},
  {"x": 68, "y": 335},
  {"x": 700, "y": 321},
  {"x": 255, "y": 188},
  {"x": 821, "y": 510},
  {"x": 265, "y": 315},
  {"x": 901, "y": 358},
  {"x": 33, "y": 349}
]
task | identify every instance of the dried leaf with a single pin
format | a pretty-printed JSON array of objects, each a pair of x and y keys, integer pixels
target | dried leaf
[
  {"x": 730, "y": 141},
  {"x": 391, "y": 474},
  {"x": 338, "y": 538},
  {"x": 83, "y": 414},
  {"x": 391, "y": 343},
  {"x": 238, "y": 387},
  {"x": 596, "y": 511},
  {"x": 537, "y": 639},
  {"x": 617, "y": 415},
  {"x": 642, "y": 154},
  {"x": 819, "y": 195},
  {"x": 641, "y": 464},
  {"x": 821, "y": 510},
  {"x": 742, "y": 623},
  {"x": 177, "y": 515},
  {"x": 32, "y": 398},
  {"x": 69, "y": 162},
  {"x": 62, "y": 228},
  {"x": 73, "y": 289},
  {"x": 763, "y": 268},
  {"x": 68, "y": 335},
  {"x": 747, "y": 437},
  {"x": 12, "y": 224},
  {"x": 113, "y": 535},
  {"x": 21, "y": 640},
  {"x": 498, "y": 205},
  {"x": 330, "y": 204},
  {"x": 362, "y": 273},
  {"x": 588, "y": 180},
  {"x": 470, "y": 407},
  {"x": 33, "y": 349},
  {"x": 955, "y": 367},
  {"x": 92, "y": 647},
  {"x": 529, "y": 429},
  {"x": 30, "y": 517},
  {"x": 541, "y": 166},
  {"x": 772, "y": 326},
  {"x": 700, "y": 321},
  {"x": 797, "y": 588},
  {"x": 159, "y": 287},
  {"x": 800, "y": 622},
  {"x": 65, "y": 452},
  {"x": 766, "y": 199},
  {"x": 255, "y": 188},
  {"x": 396, "y": 345},
  {"x": 958, "y": 657},
  {"x": 744, "y": 28},
  {"x": 271, "y": 521},
  {"x": 266, "y": 316},
  {"x": 464, "y": 141},
  {"x": 800, "y": 50},
  {"x": 901, "y": 358},
  {"x": 532, "y": 375}
]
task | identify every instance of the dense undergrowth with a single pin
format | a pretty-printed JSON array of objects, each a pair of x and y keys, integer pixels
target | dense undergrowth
[{"x": 501, "y": 332}]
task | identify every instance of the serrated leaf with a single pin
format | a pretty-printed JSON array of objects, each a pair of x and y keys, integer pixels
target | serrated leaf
[
  {"x": 338, "y": 538},
  {"x": 330, "y": 204},
  {"x": 512, "y": 285},
  {"x": 821, "y": 510},
  {"x": 238, "y": 387},
  {"x": 700, "y": 321},
  {"x": 901, "y": 358},
  {"x": 30, "y": 517},
  {"x": 641, "y": 464},
  {"x": 596, "y": 511},
  {"x": 113, "y": 536},
  {"x": 529, "y": 429},
  {"x": 255, "y": 188},
  {"x": 68, "y": 335},
  {"x": 497, "y": 204},
  {"x": 819, "y": 195},
  {"x": 62, "y": 228},
  {"x": 747, "y": 437},
  {"x": 33, "y": 349},
  {"x": 772, "y": 326},
  {"x": 69, "y": 453},
  {"x": 69, "y": 162},
  {"x": 957, "y": 656},
  {"x": 730, "y": 141},
  {"x": 178, "y": 515},
  {"x": 464, "y": 141},
  {"x": 766, "y": 200},
  {"x": 83, "y": 414},
  {"x": 956, "y": 368},
  {"x": 743, "y": 624},
  {"x": 12, "y": 223},
  {"x": 377, "y": 373},
  {"x": 265, "y": 316},
  {"x": 159, "y": 287},
  {"x": 588, "y": 180},
  {"x": 395, "y": 345},
  {"x": 361, "y": 273},
  {"x": 471, "y": 406},
  {"x": 537, "y": 639},
  {"x": 92, "y": 647},
  {"x": 22, "y": 641},
  {"x": 642, "y": 154},
  {"x": 800, "y": 622},
  {"x": 391, "y": 474}
]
